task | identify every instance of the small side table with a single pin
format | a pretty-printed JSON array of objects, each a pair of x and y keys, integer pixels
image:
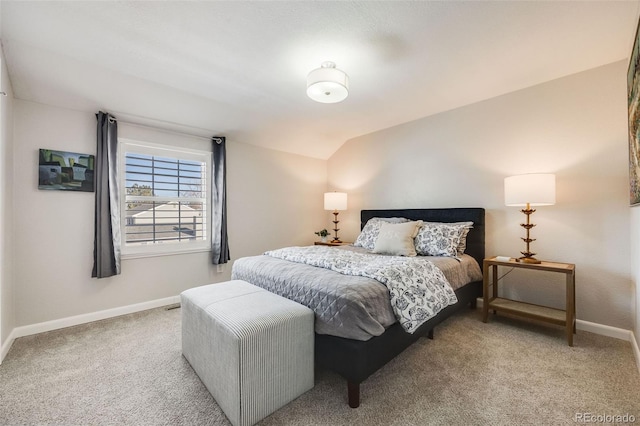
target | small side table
[
  {"x": 566, "y": 317},
  {"x": 329, "y": 243}
]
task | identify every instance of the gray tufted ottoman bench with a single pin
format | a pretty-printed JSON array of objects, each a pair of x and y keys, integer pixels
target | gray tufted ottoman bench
[{"x": 252, "y": 349}]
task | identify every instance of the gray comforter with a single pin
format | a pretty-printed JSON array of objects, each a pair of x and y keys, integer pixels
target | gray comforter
[{"x": 347, "y": 306}]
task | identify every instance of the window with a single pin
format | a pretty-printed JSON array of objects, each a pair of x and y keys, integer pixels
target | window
[{"x": 165, "y": 199}]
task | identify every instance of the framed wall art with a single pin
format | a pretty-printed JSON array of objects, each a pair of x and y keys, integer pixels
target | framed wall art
[
  {"x": 633, "y": 103},
  {"x": 66, "y": 171}
]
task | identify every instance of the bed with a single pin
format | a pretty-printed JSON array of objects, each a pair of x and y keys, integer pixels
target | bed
[{"x": 359, "y": 345}]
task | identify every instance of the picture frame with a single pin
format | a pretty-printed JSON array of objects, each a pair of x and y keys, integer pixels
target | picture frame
[
  {"x": 65, "y": 171},
  {"x": 633, "y": 104}
]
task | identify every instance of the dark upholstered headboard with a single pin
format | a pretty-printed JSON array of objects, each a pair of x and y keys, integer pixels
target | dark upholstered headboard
[{"x": 475, "y": 238}]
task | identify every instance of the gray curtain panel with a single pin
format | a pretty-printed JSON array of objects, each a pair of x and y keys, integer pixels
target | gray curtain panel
[
  {"x": 219, "y": 238},
  {"x": 106, "y": 244}
]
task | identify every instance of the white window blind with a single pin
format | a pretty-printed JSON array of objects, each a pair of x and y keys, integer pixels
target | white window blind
[{"x": 165, "y": 205}]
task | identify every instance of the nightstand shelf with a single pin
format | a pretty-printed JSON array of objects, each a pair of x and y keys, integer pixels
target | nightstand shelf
[
  {"x": 563, "y": 317},
  {"x": 528, "y": 310}
]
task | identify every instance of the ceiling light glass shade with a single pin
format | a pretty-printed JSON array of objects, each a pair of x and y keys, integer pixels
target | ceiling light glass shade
[
  {"x": 328, "y": 84},
  {"x": 537, "y": 189}
]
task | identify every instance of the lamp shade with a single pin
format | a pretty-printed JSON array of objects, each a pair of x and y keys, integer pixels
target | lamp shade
[
  {"x": 328, "y": 84},
  {"x": 536, "y": 189},
  {"x": 335, "y": 201}
]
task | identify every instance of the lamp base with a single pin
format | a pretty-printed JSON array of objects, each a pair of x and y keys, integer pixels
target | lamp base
[
  {"x": 335, "y": 227},
  {"x": 527, "y": 255}
]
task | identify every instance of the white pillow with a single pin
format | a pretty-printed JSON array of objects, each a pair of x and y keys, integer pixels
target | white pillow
[
  {"x": 397, "y": 238},
  {"x": 369, "y": 235},
  {"x": 442, "y": 239}
]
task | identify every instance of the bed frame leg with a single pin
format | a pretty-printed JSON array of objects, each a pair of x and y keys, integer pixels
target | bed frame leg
[
  {"x": 430, "y": 335},
  {"x": 474, "y": 303},
  {"x": 353, "y": 392}
]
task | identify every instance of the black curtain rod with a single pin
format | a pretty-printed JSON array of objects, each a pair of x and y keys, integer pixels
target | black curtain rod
[{"x": 158, "y": 129}]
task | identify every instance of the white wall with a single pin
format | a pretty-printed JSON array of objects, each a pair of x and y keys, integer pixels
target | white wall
[
  {"x": 7, "y": 312},
  {"x": 635, "y": 267},
  {"x": 575, "y": 127},
  {"x": 274, "y": 199}
]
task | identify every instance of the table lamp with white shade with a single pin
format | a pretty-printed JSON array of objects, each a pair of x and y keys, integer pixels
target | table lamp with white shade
[
  {"x": 536, "y": 189},
  {"x": 335, "y": 201}
]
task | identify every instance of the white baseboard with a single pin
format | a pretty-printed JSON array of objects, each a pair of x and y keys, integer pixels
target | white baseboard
[
  {"x": 592, "y": 327},
  {"x": 604, "y": 330},
  {"x": 636, "y": 350},
  {"x": 28, "y": 330},
  {"x": 4, "y": 349}
]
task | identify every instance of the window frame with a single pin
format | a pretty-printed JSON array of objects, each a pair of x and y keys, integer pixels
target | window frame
[{"x": 129, "y": 251}]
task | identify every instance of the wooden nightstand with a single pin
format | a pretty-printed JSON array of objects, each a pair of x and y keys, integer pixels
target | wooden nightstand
[
  {"x": 329, "y": 243},
  {"x": 566, "y": 317}
]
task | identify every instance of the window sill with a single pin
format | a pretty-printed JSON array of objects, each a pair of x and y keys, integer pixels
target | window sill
[{"x": 128, "y": 256}]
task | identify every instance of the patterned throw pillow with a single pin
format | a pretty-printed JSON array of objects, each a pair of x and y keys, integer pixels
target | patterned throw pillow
[
  {"x": 462, "y": 245},
  {"x": 442, "y": 239},
  {"x": 396, "y": 239},
  {"x": 369, "y": 235}
]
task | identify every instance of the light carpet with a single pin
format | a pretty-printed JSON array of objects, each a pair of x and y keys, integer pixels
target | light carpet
[{"x": 130, "y": 370}]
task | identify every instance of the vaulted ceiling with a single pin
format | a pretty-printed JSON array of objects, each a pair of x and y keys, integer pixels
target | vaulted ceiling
[{"x": 239, "y": 68}]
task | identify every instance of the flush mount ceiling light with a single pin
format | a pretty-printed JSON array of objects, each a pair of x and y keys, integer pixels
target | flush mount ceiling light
[{"x": 328, "y": 84}]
